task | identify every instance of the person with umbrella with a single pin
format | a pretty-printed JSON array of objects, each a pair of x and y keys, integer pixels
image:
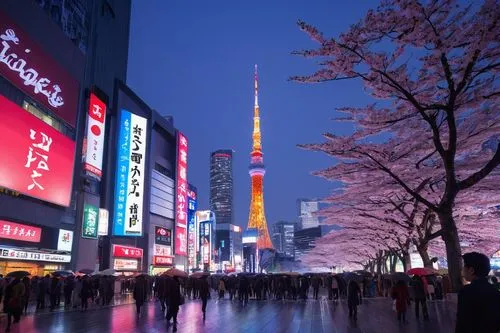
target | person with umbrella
[
  {"x": 174, "y": 301},
  {"x": 204, "y": 294},
  {"x": 14, "y": 294},
  {"x": 419, "y": 297},
  {"x": 402, "y": 296},
  {"x": 139, "y": 292}
]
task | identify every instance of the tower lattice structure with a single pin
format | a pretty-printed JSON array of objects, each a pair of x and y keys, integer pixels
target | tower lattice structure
[{"x": 257, "y": 216}]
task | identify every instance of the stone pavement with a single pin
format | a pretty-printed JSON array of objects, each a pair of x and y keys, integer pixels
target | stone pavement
[{"x": 375, "y": 316}]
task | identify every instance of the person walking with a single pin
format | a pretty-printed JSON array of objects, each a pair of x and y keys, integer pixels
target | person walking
[
  {"x": 335, "y": 288},
  {"x": 175, "y": 300},
  {"x": 13, "y": 305},
  {"x": 353, "y": 298},
  {"x": 316, "y": 282},
  {"x": 27, "y": 291},
  {"x": 54, "y": 290},
  {"x": 204, "y": 293},
  {"x": 85, "y": 292},
  {"x": 222, "y": 288},
  {"x": 479, "y": 302},
  {"x": 402, "y": 296},
  {"x": 419, "y": 297},
  {"x": 139, "y": 293}
]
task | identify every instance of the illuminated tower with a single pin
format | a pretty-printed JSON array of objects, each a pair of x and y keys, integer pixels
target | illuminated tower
[{"x": 257, "y": 218}]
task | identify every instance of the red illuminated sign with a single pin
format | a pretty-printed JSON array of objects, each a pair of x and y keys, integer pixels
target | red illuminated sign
[
  {"x": 29, "y": 68},
  {"x": 163, "y": 260},
  {"x": 126, "y": 251},
  {"x": 95, "y": 136},
  {"x": 22, "y": 232},
  {"x": 37, "y": 159},
  {"x": 181, "y": 196}
]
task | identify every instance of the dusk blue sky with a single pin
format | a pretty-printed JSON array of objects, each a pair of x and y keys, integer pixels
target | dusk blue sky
[{"x": 194, "y": 60}]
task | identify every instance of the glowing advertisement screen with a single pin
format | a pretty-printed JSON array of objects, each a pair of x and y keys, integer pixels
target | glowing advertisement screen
[{"x": 130, "y": 170}]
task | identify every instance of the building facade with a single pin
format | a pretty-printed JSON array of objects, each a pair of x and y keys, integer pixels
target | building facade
[
  {"x": 306, "y": 209},
  {"x": 283, "y": 238},
  {"x": 47, "y": 97},
  {"x": 305, "y": 239},
  {"x": 221, "y": 198}
]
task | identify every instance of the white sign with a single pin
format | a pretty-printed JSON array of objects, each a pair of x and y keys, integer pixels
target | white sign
[
  {"x": 162, "y": 250},
  {"x": 65, "y": 240},
  {"x": 33, "y": 256},
  {"x": 130, "y": 170},
  {"x": 125, "y": 264},
  {"x": 103, "y": 222},
  {"x": 95, "y": 136}
]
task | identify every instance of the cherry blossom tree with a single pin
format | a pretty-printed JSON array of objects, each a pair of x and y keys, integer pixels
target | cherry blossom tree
[{"x": 437, "y": 80}]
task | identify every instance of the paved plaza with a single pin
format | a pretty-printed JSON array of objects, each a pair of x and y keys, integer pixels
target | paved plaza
[{"x": 375, "y": 315}]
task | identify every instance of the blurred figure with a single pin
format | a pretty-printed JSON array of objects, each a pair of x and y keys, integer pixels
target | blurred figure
[
  {"x": 335, "y": 288},
  {"x": 174, "y": 301},
  {"x": 401, "y": 295},
  {"x": 419, "y": 297},
  {"x": 27, "y": 291},
  {"x": 85, "y": 292},
  {"x": 204, "y": 293},
  {"x": 479, "y": 302},
  {"x": 139, "y": 293},
  {"x": 353, "y": 299},
  {"x": 14, "y": 294},
  {"x": 222, "y": 288}
]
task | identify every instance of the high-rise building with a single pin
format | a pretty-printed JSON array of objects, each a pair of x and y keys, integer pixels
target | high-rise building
[
  {"x": 257, "y": 216},
  {"x": 305, "y": 239},
  {"x": 283, "y": 238},
  {"x": 221, "y": 185},
  {"x": 306, "y": 209},
  {"x": 221, "y": 199}
]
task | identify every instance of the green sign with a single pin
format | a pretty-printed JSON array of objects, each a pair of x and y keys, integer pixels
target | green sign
[{"x": 90, "y": 221}]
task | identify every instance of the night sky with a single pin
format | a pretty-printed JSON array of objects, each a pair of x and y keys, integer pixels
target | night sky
[{"x": 194, "y": 60}]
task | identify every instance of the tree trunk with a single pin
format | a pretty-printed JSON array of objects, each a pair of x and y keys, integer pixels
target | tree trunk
[
  {"x": 422, "y": 250},
  {"x": 453, "y": 250},
  {"x": 393, "y": 260},
  {"x": 406, "y": 261}
]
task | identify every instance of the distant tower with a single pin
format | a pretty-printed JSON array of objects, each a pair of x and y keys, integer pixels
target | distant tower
[{"x": 257, "y": 218}]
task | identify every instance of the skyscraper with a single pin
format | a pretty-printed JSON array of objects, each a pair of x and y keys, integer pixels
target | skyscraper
[
  {"x": 221, "y": 199},
  {"x": 257, "y": 216},
  {"x": 306, "y": 209},
  {"x": 283, "y": 238}
]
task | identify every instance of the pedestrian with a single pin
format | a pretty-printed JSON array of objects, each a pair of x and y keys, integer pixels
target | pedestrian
[
  {"x": 402, "y": 297},
  {"x": 27, "y": 291},
  {"x": 419, "y": 297},
  {"x": 353, "y": 298},
  {"x": 85, "y": 292},
  {"x": 222, "y": 288},
  {"x": 68, "y": 289},
  {"x": 315, "y": 281},
  {"x": 204, "y": 293},
  {"x": 53, "y": 291},
  {"x": 139, "y": 293},
  {"x": 14, "y": 294},
  {"x": 478, "y": 302},
  {"x": 75, "y": 296},
  {"x": 2, "y": 287},
  {"x": 335, "y": 288},
  {"x": 161, "y": 292},
  {"x": 175, "y": 300}
]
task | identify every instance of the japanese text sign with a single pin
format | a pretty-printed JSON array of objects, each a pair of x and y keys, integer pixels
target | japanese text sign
[
  {"x": 95, "y": 136},
  {"x": 22, "y": 232},
  {"x": 29, "y": 68},
  {"x": 163, "y": 261},
  {"x": 90, "y": 221},
  {"x": 37, "y": 159},
  {"x": 33, "y": 256},
  {"x": 130, "y": 170},
  {"x": 126, "y": 251},
  {"x": 181, "y": 203},
  {"x": 163, "y": 236}
]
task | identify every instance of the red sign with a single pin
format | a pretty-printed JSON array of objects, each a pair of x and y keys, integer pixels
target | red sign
[
  {"x": 181, "y": 196},
  {"x": 163, "y": 260},
  {"x": 126, "y": 251},
  {"x": 29, "y": 68},
  {"x": 37, "y": 159},
  {"x": 95, "y": 136},
  {"x": 22, "y": 232}
]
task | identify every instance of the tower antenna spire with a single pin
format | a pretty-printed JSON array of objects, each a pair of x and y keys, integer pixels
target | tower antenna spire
[{"x": 256, "y": 79}]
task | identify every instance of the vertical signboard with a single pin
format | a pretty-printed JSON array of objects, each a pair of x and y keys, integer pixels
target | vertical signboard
[
  {"x": 181, "y": 196},
  {"x": 103, "y": 222},
  {"x": 95, "y": 136},
  {"x": 130, "y": 170},
  {"x": 205, "y": 242},
  {"x": 37, "y": 160},
  {"x": 192, "y": 203},
  {"x": 90, "y": 221}
]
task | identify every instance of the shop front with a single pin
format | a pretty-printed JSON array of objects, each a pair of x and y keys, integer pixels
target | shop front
[
  {"x": 126, "y": 260},
  {"x": 38, "y": 250}
]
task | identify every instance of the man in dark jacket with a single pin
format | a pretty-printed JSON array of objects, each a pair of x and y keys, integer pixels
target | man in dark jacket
[
  {"x": 204, "y": 294},
  {"x": 174, "y": 300},
  {"x": 478, "y": 302},
  {"x": 420, "y": 299}
]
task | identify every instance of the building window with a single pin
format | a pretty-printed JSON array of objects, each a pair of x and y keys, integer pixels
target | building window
[
  {"x": 164, "y": 171},
  {"x": 48, "y": 119}
]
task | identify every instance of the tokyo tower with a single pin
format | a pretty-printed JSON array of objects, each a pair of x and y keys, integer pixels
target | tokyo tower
[{"x": 257, "y": 218}]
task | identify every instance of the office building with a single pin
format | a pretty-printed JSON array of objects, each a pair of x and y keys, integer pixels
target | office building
[
  {"x": 283, "y": 238},
  {"x": 306, "y": 212}
]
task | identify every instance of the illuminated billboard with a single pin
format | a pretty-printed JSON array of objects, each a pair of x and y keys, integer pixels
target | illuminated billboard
[
  {"x": 95, "y": 136},
  {"x": 130, "y": 170},
  {"x": 192, "y": 204},
  {"x": 181, "y": 203},
  {"x": 37, "y": 160},
  {"x": 205, "y": 245}
]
